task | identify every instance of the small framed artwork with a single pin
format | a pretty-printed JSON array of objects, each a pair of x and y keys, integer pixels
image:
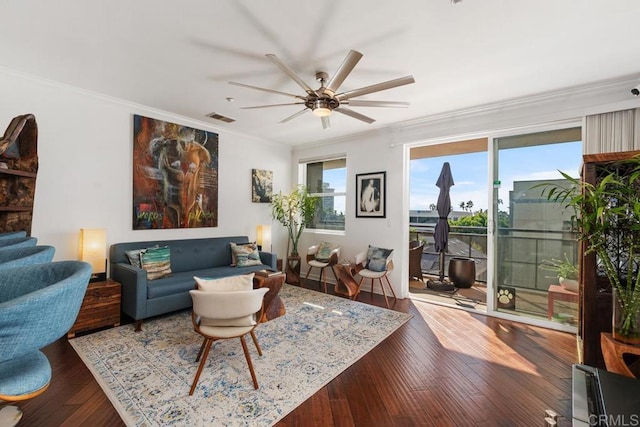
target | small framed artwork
[
  {"x": 371, "y": 199},
  {"x": 261, "y": 186}
]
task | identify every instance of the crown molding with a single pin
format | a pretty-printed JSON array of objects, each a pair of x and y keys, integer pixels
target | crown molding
[{"x": 574, "y": 100}]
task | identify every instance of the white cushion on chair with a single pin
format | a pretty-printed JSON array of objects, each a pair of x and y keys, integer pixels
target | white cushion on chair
[
  {"x": 317, "y": 264},
  {"x": 242, "y": 282},
  {"x": 371, "y": 274}
]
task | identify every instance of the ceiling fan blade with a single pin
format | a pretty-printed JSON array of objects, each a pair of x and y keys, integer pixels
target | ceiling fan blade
[
  {"x": 363, "y": 103},
  {"x": 355, "y": 115},
  {"x": 266, "y": 90},
  {"x": 345, "y": 68},
  {"x": 272, "y": 105},
  {"x": 293, "y": 116},
  {"x": 376, "y": 88},
  {"x": 326, "y": 123},
  {"x": 289, "y": 72}
]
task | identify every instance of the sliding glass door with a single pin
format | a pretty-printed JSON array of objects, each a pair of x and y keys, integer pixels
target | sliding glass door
[
  {"x": 532, "y": 235},
  {"x": 502, "y": 222}
]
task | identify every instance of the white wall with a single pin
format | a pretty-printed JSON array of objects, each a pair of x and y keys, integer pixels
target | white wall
[
  {"x": 85, "y": 167},
  {"x": 85, "y": 152},
  {"x": 388, "y": 150},
  {"x": 373, "y": 154}
]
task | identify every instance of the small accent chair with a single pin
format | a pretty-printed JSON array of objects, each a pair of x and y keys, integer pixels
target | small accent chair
[
  {"x": 322, "y": 256},
  {"x": 17, "y": 242},
  {"x": 367, "y": 271},
  {"x": 12, "y": 234},
  {"x": 18, "y": 257},
  {"x": 415, "y": 259},
  {"x": 38, "y": 305},
  {"x": 219, "y": 315}
]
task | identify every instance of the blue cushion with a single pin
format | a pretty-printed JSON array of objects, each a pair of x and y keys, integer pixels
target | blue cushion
[
  {"x": 377, "y": 258},
  {"x": 183, "y": 282}
]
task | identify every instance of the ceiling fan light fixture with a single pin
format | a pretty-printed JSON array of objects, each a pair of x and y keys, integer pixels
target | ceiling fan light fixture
[
  {"x": 321, "y": 108},
  {"x": 321, "y": 112}
]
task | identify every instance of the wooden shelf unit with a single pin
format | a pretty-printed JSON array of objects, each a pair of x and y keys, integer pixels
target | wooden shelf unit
[
  {"x": 18, "y": 172},
  {"x": 595, "y": 297}
]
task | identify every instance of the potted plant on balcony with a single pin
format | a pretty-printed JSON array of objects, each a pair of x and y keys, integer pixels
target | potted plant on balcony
[
  {"x": 566, "y": 272},
  {"x": 607, "y": 220}
]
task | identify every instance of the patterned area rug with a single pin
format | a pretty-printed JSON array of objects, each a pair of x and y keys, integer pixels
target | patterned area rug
[{"x": 147, "y": 375}]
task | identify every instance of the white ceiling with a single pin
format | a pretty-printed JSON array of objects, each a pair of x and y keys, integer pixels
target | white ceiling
[{"x": 179, "y": 56}]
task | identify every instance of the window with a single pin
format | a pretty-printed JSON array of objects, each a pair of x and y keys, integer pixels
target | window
[{"x": 327, "y": 180}]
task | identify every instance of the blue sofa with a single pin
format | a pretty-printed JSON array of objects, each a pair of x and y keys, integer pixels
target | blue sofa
[{"x": 210, "y": 257}]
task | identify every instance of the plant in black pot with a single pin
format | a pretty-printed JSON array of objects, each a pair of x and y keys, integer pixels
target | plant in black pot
[{"x": 607, "y": 220}]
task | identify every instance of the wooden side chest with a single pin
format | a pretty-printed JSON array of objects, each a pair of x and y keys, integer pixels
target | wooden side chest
[{"x": 100, "y": 307}]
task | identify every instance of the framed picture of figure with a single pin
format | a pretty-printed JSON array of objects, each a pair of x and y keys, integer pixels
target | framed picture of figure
[{"x": 371, "y": 197}]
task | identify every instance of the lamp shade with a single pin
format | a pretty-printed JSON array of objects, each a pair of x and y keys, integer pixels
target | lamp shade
[
  {"x": 93, "y": 248},
  {"x": 263, "y": 237}
]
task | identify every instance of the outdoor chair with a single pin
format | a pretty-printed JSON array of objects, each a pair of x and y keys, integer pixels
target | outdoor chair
[
  {"x": 415, "y": 259},
  {"x": 322, "y": 256},
  {"x": 225, "y": 314},
  {"x": 38, "y": 305},
  {"x": 376, "y": 263},
  {"x": 18, "y": 257}
]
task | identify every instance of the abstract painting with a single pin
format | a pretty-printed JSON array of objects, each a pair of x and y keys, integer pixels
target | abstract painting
[
  {"x": 175, "y": 176},
  {"x": 261, "y": 186}
]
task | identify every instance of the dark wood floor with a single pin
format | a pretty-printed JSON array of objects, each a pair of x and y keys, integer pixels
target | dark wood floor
[{"x": 445, "y": 367}]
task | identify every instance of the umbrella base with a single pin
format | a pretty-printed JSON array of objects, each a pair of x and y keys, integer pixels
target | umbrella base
[{"x": 438, "y": 285}]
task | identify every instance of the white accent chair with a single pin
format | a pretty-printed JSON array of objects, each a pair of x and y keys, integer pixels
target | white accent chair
[
  {"x": 219, "y": 315},
  {"x": 364, "y": 273},
  {"x": 322, "y": 264}
]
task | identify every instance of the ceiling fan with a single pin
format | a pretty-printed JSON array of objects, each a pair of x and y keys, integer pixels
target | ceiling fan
[{"x": 324, "y": 100}]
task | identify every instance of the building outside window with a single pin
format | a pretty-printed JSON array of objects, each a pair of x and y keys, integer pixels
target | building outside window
[{"x": 327, "y": 179}]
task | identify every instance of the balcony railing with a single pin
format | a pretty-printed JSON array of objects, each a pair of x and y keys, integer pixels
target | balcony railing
[{"x": 520, "y": 252}]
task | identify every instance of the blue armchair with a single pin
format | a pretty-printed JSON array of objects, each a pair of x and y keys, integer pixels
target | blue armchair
[
  {"x": 18, "y": 242},
  {"x": 13, "y": 234},
  {"x": 18, "y": 257},
  {"x": 38, "y": 305}
]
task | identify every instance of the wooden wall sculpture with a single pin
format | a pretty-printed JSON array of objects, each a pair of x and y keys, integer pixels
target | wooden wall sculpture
[{"x": 18, "y": 170}]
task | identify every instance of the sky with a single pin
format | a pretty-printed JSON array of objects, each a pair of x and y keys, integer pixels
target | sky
[{"x": 470, "y": 174}]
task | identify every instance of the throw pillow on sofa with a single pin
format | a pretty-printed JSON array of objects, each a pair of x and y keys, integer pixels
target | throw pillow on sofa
[
  {"x": 134, "y": 256},
  {"x": 156, "y": 262},
  {"x": 247, "y": 246},
  {"x": 245, "y": 255},
  {"x": 377, "y": 258}
]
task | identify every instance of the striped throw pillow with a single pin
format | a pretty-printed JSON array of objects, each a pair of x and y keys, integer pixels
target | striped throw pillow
[{"x": 156, "y": 262}]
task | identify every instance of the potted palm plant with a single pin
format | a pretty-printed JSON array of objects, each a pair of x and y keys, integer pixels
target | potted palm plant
[{"x": 607, "y": 220}]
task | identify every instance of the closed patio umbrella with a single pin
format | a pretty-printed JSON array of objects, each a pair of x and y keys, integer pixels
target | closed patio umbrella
[{"x": 441, "y": 232}]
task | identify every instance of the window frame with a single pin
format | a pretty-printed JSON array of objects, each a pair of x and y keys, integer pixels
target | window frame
[{"x": 302, "y": 174}]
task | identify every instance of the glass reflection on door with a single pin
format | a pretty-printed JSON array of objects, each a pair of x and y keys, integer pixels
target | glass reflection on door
[{"x": 532, "y": 232}]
